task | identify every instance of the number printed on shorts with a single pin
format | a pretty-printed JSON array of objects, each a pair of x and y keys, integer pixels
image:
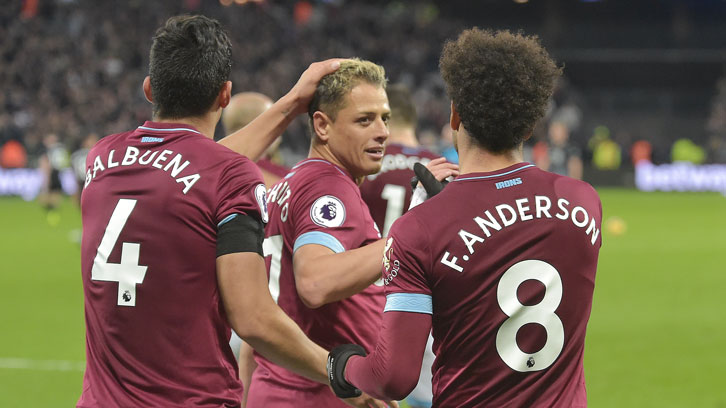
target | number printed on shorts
[
  {"x": 542, "y": 313},
  {"x": 128, "y": 273}
]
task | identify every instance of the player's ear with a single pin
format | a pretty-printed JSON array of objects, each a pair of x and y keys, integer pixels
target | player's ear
[
  {"x": 225, "y": 95},
  {"x": 454, "y": 120},
  {"x": 321, "y": 125},
  {"x": 147, "y": 89}
]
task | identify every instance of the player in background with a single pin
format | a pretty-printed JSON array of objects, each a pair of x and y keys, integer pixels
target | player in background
[
  {"x": 78, "y": 162},
  {"x": 172, "y": 240},
  {"x": 54, "y": 160},
  {"x": 388, "y": 194},
  {"x": 322, "y": 248},
  {"x": 243, "y": 108},
  {"x": 501, "y": 262},
  {"x": 559, "y": 155}
]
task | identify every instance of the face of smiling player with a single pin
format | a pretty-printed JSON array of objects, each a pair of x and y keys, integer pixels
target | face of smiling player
[{"x": 356, "y": 138}]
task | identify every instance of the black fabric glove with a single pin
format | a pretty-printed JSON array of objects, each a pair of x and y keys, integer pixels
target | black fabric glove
[
  {"x": 337, "y": 359},
  {"x": 427, "y": 179}
]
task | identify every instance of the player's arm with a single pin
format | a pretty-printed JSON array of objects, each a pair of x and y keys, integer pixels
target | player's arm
[
  {"x": 253, "y": 139},
  {"x": 247, "y": 366},
  {"x": 252, "y": 313},
  {"x": 323, "y": 276},
  {"x": 391, "y": 371}
]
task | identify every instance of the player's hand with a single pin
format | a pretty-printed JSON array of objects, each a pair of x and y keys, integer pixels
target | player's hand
[
  {"x": 304, "y": 89},
  {"x": 366, "y": 401},
  {"x": 431, "y": 179}
]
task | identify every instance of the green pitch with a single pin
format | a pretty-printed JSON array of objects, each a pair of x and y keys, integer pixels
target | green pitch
[{"x": 657, "y": 335}]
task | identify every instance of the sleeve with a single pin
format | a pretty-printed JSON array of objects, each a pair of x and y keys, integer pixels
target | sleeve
[
  {"x": 406, "y": 260},
  {"x": 391, "y": 371},
  {"x": 241, "y": 191},
  {"x": 329, "y": 213}
]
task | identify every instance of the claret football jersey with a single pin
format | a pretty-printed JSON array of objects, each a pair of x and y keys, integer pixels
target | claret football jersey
[
  {"x": 388, "y": 192},
  {"x": 505, "y": 262},
  {"x": 316, "y": 203},
  {"x": 157, "y": 333}
]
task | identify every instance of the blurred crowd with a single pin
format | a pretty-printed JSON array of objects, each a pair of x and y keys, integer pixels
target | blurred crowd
[{"x": 73, "y": 69}]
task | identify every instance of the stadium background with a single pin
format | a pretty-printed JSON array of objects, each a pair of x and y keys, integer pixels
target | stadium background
[{"x": 634, "y": 71}]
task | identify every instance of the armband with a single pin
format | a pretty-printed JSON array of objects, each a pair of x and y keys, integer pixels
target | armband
[{"x": 241, "y": 233}]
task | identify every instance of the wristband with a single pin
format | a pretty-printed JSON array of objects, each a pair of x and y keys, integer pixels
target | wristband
[{"x": 337, "y": 359}]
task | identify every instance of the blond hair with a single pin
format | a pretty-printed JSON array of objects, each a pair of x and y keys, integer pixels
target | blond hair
[{"x": 329, "y": 96}]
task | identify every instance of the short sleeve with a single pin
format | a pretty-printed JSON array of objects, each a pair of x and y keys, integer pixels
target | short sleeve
[
  {"x": 241, "y": 191},
  {"x": 406, "y": 259},
  {"x": 330, "y": 212}
]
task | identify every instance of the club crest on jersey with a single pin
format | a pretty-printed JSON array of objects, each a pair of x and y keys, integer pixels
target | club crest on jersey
[
  {"x": 328, "y": 211},
  {"x": 261, "y": 197}
]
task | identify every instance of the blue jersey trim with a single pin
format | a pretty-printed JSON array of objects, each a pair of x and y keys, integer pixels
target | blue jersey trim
[
  {"x": 227, "y": 219},
  {"x": 409, "y": 302},
  {"x": 495, "y": 175},
  {"x": 419, "y": 402},
  {"x": 320, "y": 238},
  {"x": 169, "y": 130}
]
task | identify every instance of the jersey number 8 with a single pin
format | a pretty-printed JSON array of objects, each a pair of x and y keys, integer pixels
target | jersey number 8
[{"x": 542, "y": 313}]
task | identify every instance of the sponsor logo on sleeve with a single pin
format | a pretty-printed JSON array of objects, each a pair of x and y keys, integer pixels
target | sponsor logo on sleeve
[
  {"x": 261, "y": 197},
  {"x": 390, "y": 265},
  {"x": 328, "y": 211}
]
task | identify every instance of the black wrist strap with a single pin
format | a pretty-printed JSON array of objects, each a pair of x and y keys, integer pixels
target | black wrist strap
[{"x": 337, "y": 359}]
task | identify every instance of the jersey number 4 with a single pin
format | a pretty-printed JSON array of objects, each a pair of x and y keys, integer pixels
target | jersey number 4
[{"x": 128, "y": 273}]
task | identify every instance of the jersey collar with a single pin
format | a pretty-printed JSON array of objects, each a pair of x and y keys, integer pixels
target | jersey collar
[
  {"x": 507, "y": 171},
  {"x": 164, "y": 127}
]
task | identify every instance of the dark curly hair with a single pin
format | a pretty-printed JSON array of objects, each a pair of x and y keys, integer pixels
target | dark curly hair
[
  {"x": 500, "y": 83},
  {"x": 190, "y": 61}
]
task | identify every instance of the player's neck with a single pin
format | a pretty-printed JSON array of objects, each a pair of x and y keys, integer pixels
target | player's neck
[
  {"x": 402, "y": 136},
  {"x": 320, "y": 151},
  {"x": 204, "y": 124},
  {"x": 474, "y": 159}
]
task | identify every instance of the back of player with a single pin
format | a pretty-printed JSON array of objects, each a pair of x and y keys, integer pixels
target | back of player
[
  {"x": 317, "y": 203},
  {"x": 510, "y": 301},
  {"x": 151, "y": 205},
  {"x": 388, "y": 193}
]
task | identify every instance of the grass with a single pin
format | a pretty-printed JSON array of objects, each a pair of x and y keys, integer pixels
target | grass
[{"x": 655, "y": 338}]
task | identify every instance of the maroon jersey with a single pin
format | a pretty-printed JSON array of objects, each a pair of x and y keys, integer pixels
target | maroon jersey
[
  {"x": 267, "y": 165},
  {"x": 508, "y": 274},
  {"x": 317, "y": 203},
  {"x": 156, "y": 331},
  {"x": 388, "y": 192}
]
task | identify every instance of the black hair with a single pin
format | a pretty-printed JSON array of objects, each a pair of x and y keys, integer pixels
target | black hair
[{"x": 190, "y": 61}]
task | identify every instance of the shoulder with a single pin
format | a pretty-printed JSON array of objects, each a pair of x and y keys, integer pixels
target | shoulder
[
  {"x": 109, "y": 141},
  {"x": 322, "y": 178},
  {"x": 232, "y": 161},
  {"x": 410, "y": 226},
  {"x": 575, "y": 189}
]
